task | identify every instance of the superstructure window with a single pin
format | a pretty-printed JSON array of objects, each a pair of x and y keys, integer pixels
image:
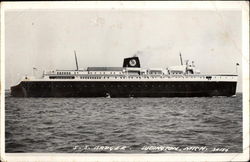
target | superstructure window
[{"x": 61, "y": 77}]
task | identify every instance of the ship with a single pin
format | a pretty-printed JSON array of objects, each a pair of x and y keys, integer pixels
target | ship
[{"x": 129, "y": 80}]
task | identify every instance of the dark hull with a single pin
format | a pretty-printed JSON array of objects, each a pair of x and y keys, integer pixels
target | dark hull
[{"x": 123, "y": 89}]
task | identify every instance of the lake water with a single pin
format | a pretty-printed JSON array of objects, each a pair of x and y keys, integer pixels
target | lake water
[{"x": 123, "y": 125}]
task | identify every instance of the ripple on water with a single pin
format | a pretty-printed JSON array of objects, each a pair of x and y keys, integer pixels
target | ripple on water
[{"x": 59, "y": 124}]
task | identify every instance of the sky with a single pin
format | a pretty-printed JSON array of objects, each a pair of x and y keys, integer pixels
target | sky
[{"x": 46, "y": 39}]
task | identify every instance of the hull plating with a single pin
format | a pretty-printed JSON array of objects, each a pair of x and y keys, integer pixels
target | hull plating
[{"x": 123, "y": 89}]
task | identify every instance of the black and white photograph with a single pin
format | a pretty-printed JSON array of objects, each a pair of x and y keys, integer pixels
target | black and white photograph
[{"x": 125, "y": 79}]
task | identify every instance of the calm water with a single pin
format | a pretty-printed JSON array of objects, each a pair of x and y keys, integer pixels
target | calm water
[{"x": 130, "y": 125}]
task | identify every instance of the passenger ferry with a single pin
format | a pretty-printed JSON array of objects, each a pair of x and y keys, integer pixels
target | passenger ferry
[{"x": 130, "y": 80}]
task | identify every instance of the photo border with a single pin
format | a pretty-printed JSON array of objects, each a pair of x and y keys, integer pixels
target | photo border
[{"x": 242, "y": 6}]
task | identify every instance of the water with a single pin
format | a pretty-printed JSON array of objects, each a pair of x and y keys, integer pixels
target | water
[{"x": 123, "y": 125}]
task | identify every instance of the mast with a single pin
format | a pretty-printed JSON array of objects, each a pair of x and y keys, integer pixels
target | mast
[
  {"x": 181, "y": 59},
  {"x": 237, "y": 64},
  {"x": 76, "y": 61}
]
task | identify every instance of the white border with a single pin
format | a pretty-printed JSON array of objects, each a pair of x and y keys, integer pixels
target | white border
[
  {"x": 189, "y": 5},
  {"x": 2, "y": 93},
  {"x": 172, "y": 5}
]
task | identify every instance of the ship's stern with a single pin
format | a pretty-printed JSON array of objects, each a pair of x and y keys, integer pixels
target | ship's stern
[{"x": 17, "y": 91}]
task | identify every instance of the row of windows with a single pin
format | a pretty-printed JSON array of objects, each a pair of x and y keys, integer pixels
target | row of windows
[
  {"x": 69, "y": 73},
  {"x": 90, "y": 77},
  {"x": 63, "y": 73},
  {"x": 122, "y": 77},
  {"x": 145, "y": 77},
  {"x": 155, "y": 73},
  {"x": 133, "y": 77},
  {"x": 105, "y": 72},
  {"x": 124, "y": 85},
  {"x": 62, "y": 77}
]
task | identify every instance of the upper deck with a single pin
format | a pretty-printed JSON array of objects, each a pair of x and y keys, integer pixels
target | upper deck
[
  {"x": 131, "y": 71},
  {"x": 128, "y": 76}
]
